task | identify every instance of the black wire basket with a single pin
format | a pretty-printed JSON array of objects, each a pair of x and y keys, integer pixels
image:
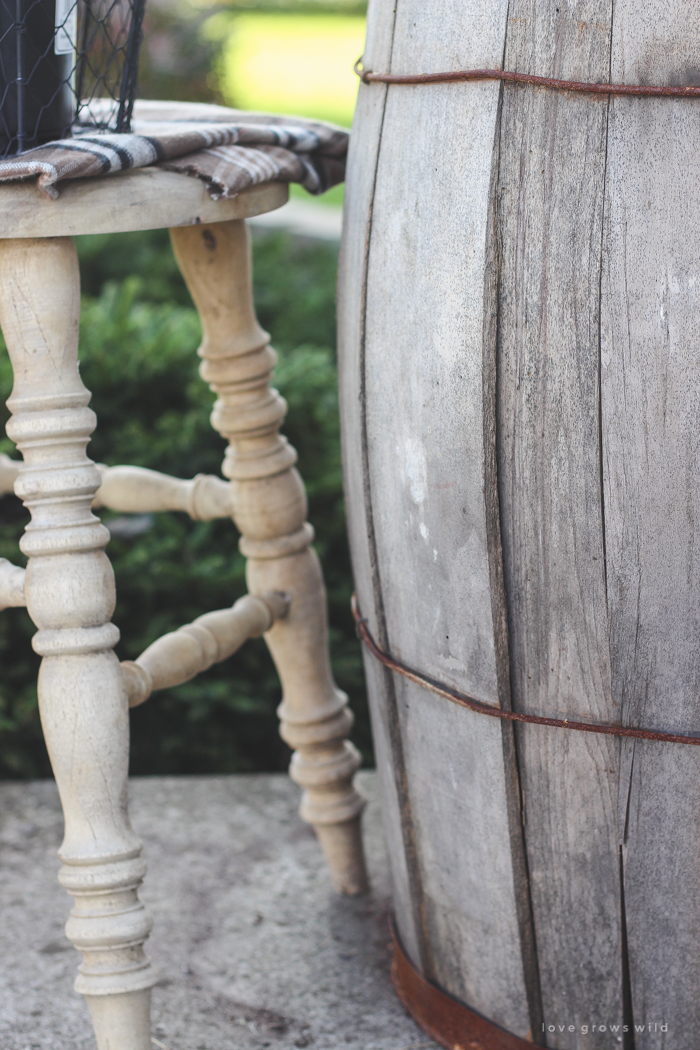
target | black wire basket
[{"x": 66, "y": 66}]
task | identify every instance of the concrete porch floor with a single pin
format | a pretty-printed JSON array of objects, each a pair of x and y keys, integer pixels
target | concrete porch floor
[{"x": 253, "y": 947}]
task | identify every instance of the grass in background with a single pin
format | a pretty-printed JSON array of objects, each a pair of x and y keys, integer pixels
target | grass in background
[
  {"x": 333, "y": 197},
  {"x": 290, "y": 63}
]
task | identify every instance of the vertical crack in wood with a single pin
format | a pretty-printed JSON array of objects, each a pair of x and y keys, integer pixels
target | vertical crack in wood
[
  {"x": 628, "y": 1040},
  {"x": 514, "y": 790},
  {"x": 626, "y": 798},
  {"x": 521, "y": 873},
  {"x": 600, "y": 322},
  {"x": 550, "y": 466},
  {"x": 395, "y": 738},
  {"x": 627, "y": 747}
]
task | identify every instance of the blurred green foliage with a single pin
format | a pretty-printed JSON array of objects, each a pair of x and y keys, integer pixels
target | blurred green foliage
[
  {"x": 183, "y": 54},
  {"x": 139, "y": 334},
  {"x": 178, "y": 58}
]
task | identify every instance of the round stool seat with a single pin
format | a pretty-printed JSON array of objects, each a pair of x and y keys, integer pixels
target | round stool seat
[{"x": 141, "y": 199}]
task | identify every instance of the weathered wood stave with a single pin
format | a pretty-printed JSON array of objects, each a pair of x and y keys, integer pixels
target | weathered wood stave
[{"x": 520, "y": 437}]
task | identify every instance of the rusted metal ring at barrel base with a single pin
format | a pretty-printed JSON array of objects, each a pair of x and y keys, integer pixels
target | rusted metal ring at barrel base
[
  {"x": 481, "y": 708},
  {"x": 577, "y": 86},
  {"x": 444, "y": 1019}
]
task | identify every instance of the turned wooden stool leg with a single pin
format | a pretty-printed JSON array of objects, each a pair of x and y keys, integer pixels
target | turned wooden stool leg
[
  {"x": 69, "y": 589},
  {"x": 269, "y": 508}
]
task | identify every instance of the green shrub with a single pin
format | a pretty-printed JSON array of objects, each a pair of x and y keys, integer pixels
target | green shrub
[{"x": 139, "y": 334}]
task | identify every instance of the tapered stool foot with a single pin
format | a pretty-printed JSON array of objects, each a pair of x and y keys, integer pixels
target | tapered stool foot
[
  {"x": 121, "y": 1022},
  {"x": 342, "y": 847}
]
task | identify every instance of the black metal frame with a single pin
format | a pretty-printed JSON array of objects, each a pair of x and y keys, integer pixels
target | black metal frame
[{"x": 66, "y": 66}]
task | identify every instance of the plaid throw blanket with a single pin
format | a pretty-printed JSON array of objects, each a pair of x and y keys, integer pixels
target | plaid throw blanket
[{"x": 228, "y": 149}]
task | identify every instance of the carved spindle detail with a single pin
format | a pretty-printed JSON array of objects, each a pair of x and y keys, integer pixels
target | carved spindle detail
[
  {"x": 181, "y": 655},
  {"x": 134, "y": 490},
  {"x": 9, "y": 469},
  {"x": 70, "y": 595},
  {"x": 11, "y": 585},
  {"x": 269, "y": 508}
]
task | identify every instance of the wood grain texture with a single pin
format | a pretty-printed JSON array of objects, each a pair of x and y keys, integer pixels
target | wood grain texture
[
  {"x": 546, "y": 250},
  {"x": 142, "y": 199},
  {"x": 650, "y": 382},
  {"x": 352, "y": 287},
  {"x": 424, "y": 389},
  {"x": 550, "y": 201},
  {"x": 137, "y": 490}
]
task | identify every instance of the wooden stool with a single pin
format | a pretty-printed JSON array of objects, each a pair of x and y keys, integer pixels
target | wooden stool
[{"x": 68, "y": 586}]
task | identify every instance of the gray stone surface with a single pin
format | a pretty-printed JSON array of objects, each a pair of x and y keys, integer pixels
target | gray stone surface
[{"x": 253, "y": 947}]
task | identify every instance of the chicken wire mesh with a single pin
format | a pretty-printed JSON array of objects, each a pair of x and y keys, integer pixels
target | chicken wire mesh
[{"x": 66, "y": 66}]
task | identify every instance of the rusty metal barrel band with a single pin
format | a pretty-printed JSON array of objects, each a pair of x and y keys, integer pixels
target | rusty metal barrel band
[
  {"x": 481, "y": 708},
  {"x": 444, "y": 1019},
  {"x": 367, "y": 76}
]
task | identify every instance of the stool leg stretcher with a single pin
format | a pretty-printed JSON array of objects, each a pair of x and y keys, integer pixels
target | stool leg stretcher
[
  {"x": 11, "y": 585},
  {"x": 137, "y": 490},
  {"x": 183, "y": 654}
]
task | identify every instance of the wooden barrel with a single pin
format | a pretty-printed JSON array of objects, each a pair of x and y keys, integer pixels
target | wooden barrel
[{"x": 520, "y": 393}]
